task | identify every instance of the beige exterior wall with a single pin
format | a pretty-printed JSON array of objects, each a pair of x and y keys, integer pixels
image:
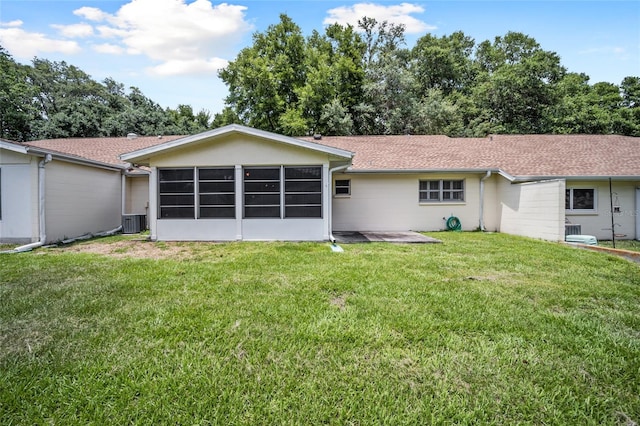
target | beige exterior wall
[
  {"x": 598, "y": 223},
  {"x": 81, "y": 200},
  {"x": 19, "y": 192},
  {"x": 238, "y": 151},
  {"x": 137, "y": 194},
  {"x": 233, "y": 149},
  {"x": 390, "y": 202},
  {"x": 534, "y": 209}
]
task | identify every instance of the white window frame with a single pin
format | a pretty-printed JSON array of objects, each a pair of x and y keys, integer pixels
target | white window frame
[
  {"x": 345, "y": 184},
  {"x": 441, "y": 191},
  {"x": 572, "y": 209}
]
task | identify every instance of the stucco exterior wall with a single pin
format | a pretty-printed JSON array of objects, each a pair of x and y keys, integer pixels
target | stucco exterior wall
[
  {"x": 238, "y": 152},
  {"x": 19, "y": 192},
  {"x": 390, "y": 202},
  {"x": 534, "y": 209},
  {"x": 81, "y": 200},
  {"x": 598, "y": 222}
]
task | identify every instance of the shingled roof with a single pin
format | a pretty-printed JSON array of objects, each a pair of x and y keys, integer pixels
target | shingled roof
[
  {"x": 521, "y": 156},
  {"x": 105, "y": 150},
  {"x": 517, "y": 155}
]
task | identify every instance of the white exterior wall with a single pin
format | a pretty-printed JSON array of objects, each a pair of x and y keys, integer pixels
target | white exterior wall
[
  {"x": 598, "y": 223},
  {"x": 534, "y": 209},
  {"x": 81, "y": 200},
  {"x": 19, "y": 218},
  {"x": 390, "y": 202},
  {"x": 239, "y": 151}
]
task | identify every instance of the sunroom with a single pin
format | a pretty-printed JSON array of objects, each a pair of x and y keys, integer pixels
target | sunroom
[{"x": 239, "y": 183}]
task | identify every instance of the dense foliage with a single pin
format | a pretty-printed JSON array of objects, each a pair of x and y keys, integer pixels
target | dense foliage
[
  {"x": 340, "y": 82},
  {"x": 57, "y": 100},
  {"x": 368, "y": 82}
]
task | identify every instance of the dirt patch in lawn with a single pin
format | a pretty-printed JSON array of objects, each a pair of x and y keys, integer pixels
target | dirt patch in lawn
[{"x": 132, "y": 249}]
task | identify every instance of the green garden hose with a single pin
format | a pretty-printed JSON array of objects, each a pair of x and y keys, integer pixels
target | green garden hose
[{"x": 453, "y": 224}]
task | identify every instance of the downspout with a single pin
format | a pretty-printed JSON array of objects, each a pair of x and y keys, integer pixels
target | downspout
[
  {"x": 487, "y": 176},
  {"x": 41, "y": 209},
  {"x": 330, "y": 219}
]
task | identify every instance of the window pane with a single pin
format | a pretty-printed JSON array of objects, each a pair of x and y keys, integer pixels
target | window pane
[
  {"x": 176, "y": 187},
  {"x": 213, "y": 199},
  {"x": 219, "y": 212},
  {"x": 262, "y": 187},
  {"x": 303, "y": 186},
  {"x": 176, "y": 200},
  {"x": 227, "y": 186},
  {"x": 177, "y": 212},
  {"x": 303, "y": 211},
  {"x": 340, "y": 190},
  {"x": 303, "y": 199},
  {"x": 262, "y": 174},
  {"x": 175, "y": 174},
  {"x": 216, "y": 174},
  {"x": 262, "y": 199},
  {"x": 583, "y": 199},
  {"x": 344, "y": 182},
  {"x": 303, "y": 172},
  {"x": 252, "y": 211},
  {"x": 567, "y": 199}
]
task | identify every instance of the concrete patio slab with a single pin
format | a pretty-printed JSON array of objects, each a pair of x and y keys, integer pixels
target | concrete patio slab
[{"x": 346, "y": 237}]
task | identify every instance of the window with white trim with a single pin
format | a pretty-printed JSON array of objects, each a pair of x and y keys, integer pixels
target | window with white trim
[
  {"x": 261, "y": 192},
  {"x": 342, "y": 187},
  {"x": 217, "y": 192},
  {"x": 303, "y": 191},
  {"x": 208, "y": 191},
  {"x": 176, "y": 189},
  {"x": 580, "y": 199},
  {"x": 435, "y": 191},
  {"x": 283, "y": 192}
]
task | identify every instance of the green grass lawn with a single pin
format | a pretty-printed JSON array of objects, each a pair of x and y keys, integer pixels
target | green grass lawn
[{"x": 482, "y": 329}]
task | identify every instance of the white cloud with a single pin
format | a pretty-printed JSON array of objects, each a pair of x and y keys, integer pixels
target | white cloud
[
  {"x": 108, "y": 48},
  {"x": 394, "y": 14},
  {"x": 75, "y": 30},
  {"x": 173, "y": 32},
  {"x": 189, "y": 66},
  {"x": 11, "y": 24},
  {"x": 23, "y": 44}
]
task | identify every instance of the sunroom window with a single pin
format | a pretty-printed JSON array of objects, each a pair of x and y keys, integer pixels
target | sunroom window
[
  {"x": 176, "y": 193},
  {"x": 303, "y": 191}
]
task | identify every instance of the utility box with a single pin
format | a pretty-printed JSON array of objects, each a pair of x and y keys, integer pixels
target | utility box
[{"x": 134, "y": 223}]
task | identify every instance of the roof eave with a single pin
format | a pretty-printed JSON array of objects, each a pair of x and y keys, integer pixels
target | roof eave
[
  {"x": 74, "y": 159},
  {"x": 414, "y": 171},
  {"x": 574, "y": 178}
]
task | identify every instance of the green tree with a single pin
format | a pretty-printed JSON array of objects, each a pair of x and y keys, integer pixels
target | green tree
[
  {"x": 517, "y": 83},
  {"x": 265, "y": 78},
  {"x": 17, "y": 112}
]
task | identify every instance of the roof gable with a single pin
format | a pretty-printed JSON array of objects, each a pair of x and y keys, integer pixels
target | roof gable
[{"x": 142, "y": 156}]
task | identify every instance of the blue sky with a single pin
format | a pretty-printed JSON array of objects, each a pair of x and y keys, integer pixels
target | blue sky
[{"x": 172, "y": 49}]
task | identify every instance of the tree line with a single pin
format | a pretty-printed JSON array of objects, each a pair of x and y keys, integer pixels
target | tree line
[
  {"x": 48, "y": 100},
  {"x": 345, "y": 81}
]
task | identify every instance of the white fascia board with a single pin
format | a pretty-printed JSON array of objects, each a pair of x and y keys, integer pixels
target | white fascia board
[
  {"x": 14, "y": 147},
  {"x": 575, "y": 178},
  {"x": 234, "y": 128},
  {"x": 414, "y": 171}
]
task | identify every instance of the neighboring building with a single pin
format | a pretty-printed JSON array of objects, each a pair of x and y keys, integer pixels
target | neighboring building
[
  {"x": 239, "y": 183},
  {"x": 48, "y": 196}
]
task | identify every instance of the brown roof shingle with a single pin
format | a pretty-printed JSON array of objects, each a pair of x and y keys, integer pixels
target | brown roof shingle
[
  {"x": 517, "y": 155},
  {"x": 104, "y": 150}
]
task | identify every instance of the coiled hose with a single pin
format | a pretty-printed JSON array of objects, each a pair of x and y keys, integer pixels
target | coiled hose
[{"x": 453, "y": 224}]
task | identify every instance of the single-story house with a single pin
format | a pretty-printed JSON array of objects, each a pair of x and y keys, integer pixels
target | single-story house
[{"x": 240, "y": 183}]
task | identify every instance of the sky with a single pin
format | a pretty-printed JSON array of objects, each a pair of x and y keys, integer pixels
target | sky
[{"x": 172, "y": 49}]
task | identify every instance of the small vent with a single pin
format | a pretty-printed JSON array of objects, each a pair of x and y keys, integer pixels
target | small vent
[
  {"x": 133, "y": 223},
  {"x": 572, "y": 229}
]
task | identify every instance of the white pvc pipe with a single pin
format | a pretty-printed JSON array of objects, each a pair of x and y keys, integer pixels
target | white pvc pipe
[{"x": 487, "y": 176}]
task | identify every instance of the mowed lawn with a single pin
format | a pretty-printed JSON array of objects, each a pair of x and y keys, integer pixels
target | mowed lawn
[{"x": 481, "y": 329}]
